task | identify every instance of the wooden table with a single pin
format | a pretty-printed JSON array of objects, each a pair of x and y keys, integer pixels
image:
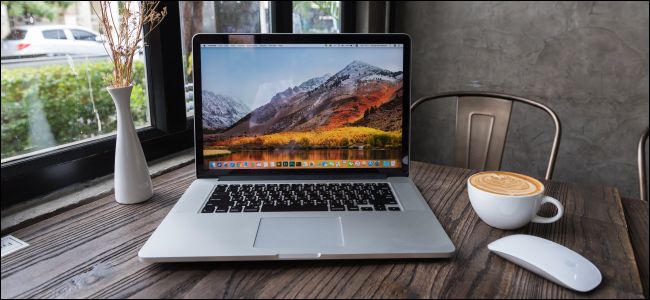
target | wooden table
[
  {"x": 91, "y": 251},
  {"x": 636, "y": 215}
]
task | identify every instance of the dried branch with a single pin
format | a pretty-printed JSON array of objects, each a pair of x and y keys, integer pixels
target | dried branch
[{"x": 124, "y": 38}]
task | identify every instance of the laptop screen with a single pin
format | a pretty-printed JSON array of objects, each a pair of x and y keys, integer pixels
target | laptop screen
[{"x": 301, "y": 106}]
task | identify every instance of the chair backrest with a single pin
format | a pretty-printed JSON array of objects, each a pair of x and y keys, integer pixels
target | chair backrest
[
  {"x": 482, "y": 120},
  {"x": 643, "y": 175}
]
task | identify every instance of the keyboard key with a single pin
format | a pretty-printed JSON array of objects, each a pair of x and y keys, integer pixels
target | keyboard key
[
  {"x": 254, "y": 208},
  {"x": 220, "y": 197},
  {"x": 284, "y": 208},
  {"x": 337, "y": 208},
  {"x": 366, "y": 209},
  {"x": 221, "y": 209},
  {"x": 236, "y": 209},
  {"x": 380, "y": 208},
  {"x": 266, "y": 201},
  {"x": 337, "y": 203},
  {"x": 394, "y": 209},
  {"x": 217, "y": 203},
  {"x": 208, "y": 209}
]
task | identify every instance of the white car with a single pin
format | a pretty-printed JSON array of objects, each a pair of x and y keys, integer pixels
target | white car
[{"x": 51, "y": 40}]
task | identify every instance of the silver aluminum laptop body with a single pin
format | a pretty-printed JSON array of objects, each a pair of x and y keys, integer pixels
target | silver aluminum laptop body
[{"x": 410, "y": 230}]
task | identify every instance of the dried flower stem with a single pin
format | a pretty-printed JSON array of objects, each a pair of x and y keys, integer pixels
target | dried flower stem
[{"x": 124, "y": 39}]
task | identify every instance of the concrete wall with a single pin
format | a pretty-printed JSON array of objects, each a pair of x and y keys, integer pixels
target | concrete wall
[{"x": 586, "y": 60}]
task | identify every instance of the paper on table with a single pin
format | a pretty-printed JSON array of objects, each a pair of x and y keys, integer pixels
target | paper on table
[{"x": 11, "y": 244}]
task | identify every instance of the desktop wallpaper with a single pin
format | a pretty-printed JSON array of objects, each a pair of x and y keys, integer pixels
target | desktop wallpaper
[{"x": 318, "y": 107}]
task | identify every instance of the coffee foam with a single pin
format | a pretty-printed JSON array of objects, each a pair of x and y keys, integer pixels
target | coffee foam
[{"x": 506, "y": 183}]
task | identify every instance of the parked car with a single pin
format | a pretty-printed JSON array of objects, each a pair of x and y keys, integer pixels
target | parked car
[
  {"x": 189, "y": 99},
  {"x": 51, "y": 40}
]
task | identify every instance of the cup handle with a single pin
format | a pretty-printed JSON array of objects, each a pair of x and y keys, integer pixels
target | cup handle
[{"x": 560, "y": 211}]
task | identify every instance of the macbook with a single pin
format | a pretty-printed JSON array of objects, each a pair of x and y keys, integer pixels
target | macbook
[{"x": 302, "y": 152}]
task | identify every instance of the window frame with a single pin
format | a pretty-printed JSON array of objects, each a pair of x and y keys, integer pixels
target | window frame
[
  {"x": 170, "y": 131},
  {"x": 281, "y": 14},
  {"x": 349, "y": 16}
]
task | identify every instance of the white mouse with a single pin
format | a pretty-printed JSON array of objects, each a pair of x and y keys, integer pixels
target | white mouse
[{"x": 549, "y": 260}]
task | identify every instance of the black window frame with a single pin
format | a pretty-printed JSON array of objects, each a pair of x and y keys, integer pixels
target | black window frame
[
  {"x": 349, "y": 16},
  {"x": 170, "y": 130}
]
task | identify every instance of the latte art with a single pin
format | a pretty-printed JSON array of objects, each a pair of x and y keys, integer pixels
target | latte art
[{"x": 506, "y": 183}]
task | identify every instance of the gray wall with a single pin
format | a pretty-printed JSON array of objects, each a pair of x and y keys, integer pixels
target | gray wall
[{"x": 586, "y": 60}]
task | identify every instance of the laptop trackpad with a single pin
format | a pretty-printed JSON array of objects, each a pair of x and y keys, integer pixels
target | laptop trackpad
[{"x": 299, "y": 233}]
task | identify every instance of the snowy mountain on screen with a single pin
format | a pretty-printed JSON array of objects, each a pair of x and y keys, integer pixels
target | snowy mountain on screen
[{"x": 220, "y": 112}]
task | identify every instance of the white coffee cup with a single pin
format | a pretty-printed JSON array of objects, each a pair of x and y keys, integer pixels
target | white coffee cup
[{"x": 504, "y": 211}]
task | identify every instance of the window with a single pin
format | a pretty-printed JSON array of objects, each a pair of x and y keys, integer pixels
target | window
[
  {"x": 316, "y": 16},
  {"x": 54, "y": 94},
  {"x": 16, "y": 34},
  {"x": 58, "y": 120},
  {"x": 81, "y": 35},
  {"x": 61, "y": 100},
  {"x": 54, "y": 34},
  {"x": 217, "y": 17}
]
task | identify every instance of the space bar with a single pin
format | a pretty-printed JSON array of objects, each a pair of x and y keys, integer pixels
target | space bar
[{"x": 270, "y": 208}]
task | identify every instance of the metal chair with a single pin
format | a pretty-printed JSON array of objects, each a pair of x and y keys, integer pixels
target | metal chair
[
  {"x": 482, "y": 120},
  {"x": 643, "y": 179}
]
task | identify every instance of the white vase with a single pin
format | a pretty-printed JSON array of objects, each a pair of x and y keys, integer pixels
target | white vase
[{"x": 132, "y": 180}]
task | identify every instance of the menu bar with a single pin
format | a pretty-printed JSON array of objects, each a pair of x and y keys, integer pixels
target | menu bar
[
  {"x": 302, "y": 45},
  {"x": 303, "y": 164}
]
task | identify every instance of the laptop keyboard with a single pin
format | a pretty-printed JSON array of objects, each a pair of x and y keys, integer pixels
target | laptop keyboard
[{"x": 246, "y": 198}]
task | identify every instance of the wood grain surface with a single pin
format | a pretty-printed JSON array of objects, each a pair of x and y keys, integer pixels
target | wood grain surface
[
  {"x": 91, "y": 251},
  {"x": 636, "y": 215}
]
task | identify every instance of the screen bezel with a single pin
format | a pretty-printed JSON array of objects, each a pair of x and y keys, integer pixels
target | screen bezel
[{"x": 393, "y": 38}]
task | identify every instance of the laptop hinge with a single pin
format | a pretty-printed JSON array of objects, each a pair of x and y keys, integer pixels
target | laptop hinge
[{"x": 303, "y": 177}]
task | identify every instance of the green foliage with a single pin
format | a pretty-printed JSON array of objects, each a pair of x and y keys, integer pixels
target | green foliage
[
  {"x": 47, "y": 9},
  {"x": 310, "y": 11},
  {"x": 329, "y": 8},
  {"x": 70, "y": 99},
  {"x": 190, "y": 66}
]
